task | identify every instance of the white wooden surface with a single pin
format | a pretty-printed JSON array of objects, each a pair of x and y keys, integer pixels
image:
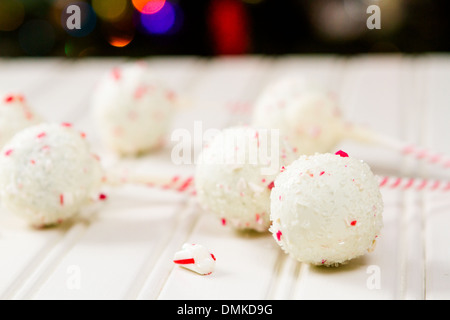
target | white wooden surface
[{"x": 125, "y": 249}]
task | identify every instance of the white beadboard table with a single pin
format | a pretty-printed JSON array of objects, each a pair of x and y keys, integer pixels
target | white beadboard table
[{"x": 124, "y": 249}]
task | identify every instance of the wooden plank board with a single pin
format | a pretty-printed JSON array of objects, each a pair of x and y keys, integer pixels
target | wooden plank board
[{"x": 125, "y": 250}]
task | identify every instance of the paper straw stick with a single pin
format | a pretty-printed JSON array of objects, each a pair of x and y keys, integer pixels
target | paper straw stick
[
  {"x": 179, "y": 183},
  {"x": 415, "y": 184},
  {"x": 369, "y": 136},
  {"x": 185, "y": 184}
]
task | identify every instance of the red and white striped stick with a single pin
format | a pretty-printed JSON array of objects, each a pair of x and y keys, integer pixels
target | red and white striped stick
[
  {"x": 179, "y": 183},
  {"x": 415, "y": 184},
  {"x": 368, "y": 136},
  {"x": 185, "y": 184}
]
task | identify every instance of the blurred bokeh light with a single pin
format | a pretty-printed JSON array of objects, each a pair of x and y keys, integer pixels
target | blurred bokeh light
[
  {"x": 110, "y": 10},
  {"x": 11, "y": 14},
  {"x": 220, "y": 27}
]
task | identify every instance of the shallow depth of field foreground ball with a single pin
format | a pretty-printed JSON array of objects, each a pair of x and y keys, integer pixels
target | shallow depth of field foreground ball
[
  {"x": 326, "y": 209},
  {"x": 132, "y": 109},
  {"x": 235, "y": 173},
  {"x": 48, "y": 174}
]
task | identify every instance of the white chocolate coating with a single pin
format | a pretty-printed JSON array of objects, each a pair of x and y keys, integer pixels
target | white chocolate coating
[
  {"x": 307, "y": 116},
  {"x": 132, "y": 109},
  {"x": 235, "y": 173},
  {"x": 197, "y": 258},
  {"x": 326, "y": 209},
  {"x": 48, "y": 174},
  {"x": 15, "y": 115}
]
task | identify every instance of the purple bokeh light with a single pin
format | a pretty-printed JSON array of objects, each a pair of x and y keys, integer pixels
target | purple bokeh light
[{"x": 165, "y": 21}]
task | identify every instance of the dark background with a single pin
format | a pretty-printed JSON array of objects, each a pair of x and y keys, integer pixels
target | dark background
[{"x": 222, "y": 27}]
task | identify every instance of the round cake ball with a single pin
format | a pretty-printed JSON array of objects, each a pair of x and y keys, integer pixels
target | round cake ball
[
  {"x": 326, "y": 209},
  {"x": 235, "y": 173},
  {"x": 306, "y": 115},
  {"x": 132, "y": 109},
  {"x": 15, "y": 115},
  {"x": 48, "y": 174}
]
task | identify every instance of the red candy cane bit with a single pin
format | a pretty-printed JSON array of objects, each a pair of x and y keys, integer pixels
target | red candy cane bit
[
  {"x": 186, "y": 184},
  {"x": 116, "y": 73},
  {"x": 257, "y": 138},
  {"x": 66, "y": 124},
  {"x": 41, "y": 135},
  {"x": 184, "y": 261},
  {"x": 61, "y": 199},
  {"x": 271, "y": 185},
  {"x": 322, "y": 173},
  {"x": 408, "y": 149},
  {"x": 102, "y": 197},
  {"x": 171, "y": 95},
  {"x": 212, "y": 256},
  {"x": 140, "y": 91},
  {"x": 323, "y": 261},
  {"x": 342, "y": 154},
  {"x": 353, "y": 223},
  {"x": 9, "y": 98},
  {"x": 279, "y": 234},
  {"x": 8, "y": 152},
  {"x": 224, "y": 221}
]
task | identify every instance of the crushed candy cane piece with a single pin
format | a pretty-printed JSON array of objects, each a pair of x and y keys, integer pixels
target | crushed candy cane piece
[{"x": 196, "y": 258}]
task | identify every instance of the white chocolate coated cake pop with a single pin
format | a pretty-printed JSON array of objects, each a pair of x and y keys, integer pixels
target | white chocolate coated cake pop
[
  {"x": 307, "y": 116},
  {"x": 15, "y": 115},
  {"x": 48, "y": 174},
  {"x": 326, "y": 209},
  {"x": 132, "y": 109},
  {"x": 235, "y": 173}
]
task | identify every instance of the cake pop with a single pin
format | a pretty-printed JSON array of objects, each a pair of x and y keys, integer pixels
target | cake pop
[
  {"x": 309, "y": 117},
  {"x": 132, "y": 109},
  {"x": 15, "y": 115},
  {"x": 48, "y": 174},
  {"x": 326, "y": 209},
  {"x": 235, "y": 173}
]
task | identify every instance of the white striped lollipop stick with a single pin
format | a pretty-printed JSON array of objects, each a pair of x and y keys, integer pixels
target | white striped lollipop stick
[
  {"x": 415, "y": 184},
  {"x": 369, "y": 136},
  {"x": 180, "y": 183},
  {"x": 185, "y": 183}
]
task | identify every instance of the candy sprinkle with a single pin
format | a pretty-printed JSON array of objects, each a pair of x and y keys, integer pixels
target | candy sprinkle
[
  {"x": 279, "y": 234},
  {"x": 9, "y": 99},
  {"x": 342, "y": 154}
]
